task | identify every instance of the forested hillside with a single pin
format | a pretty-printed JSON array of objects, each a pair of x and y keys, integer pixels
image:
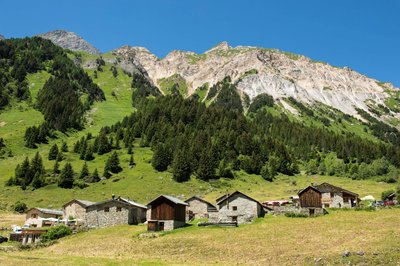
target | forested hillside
[{"x": 103, "y": 122}]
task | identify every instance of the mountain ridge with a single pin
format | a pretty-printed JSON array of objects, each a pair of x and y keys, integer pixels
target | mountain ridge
[{"x": 69, "y": 40}]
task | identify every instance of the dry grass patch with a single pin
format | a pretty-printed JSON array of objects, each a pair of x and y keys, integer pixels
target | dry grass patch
[{"x": 269, "y": 241}]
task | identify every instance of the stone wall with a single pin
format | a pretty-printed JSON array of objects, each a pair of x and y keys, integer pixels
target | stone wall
[
  {"x": 246, "y": 210},
  {"x": 76, "y": 211},
  {"x": 198, "y": 208},
  {"x": 36, "y": 221},
  {"x": 334, "y": 202},
  {"x": 96, "y": 216},
  {"x": 282, "y": 210}
]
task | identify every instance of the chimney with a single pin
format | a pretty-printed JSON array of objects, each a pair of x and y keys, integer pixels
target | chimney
[{"x": 113, "y": 196}]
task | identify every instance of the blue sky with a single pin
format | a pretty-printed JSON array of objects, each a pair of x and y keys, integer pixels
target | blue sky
[{"x": 361, "y": 34}]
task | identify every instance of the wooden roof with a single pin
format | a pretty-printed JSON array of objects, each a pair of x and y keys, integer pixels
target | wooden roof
[
  {"x": 83, "y": 203},
  {"x": 309, "y": 187},
  {"x": 170, "y": 198},
  {"x": 47, "y": 211}
]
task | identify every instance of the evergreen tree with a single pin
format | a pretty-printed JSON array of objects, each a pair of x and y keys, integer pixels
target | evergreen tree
[
  {"x": 107, "y": 169},
  {"x": 181, "y": 169},
  {"x": 131, "y": 161},
  {"x": 53, "y": 153},
  {"x": 95, "y": 176},
  {"x": 64, "y": 147},
  {"x": 60, "y": 157},
  {"x": 36, "y": 166},
  {"x": 114, "y": 165},
  {"x": 130, "y": 148},
  {"x": 84, "y": 172},
  {"x": 206, "y": 170},
  {"x": 66, "y": 179},
  {"x": 37, "y": 181},
  {"x": 161, "y": 158},
  {"x": 89, "y": 153},
  {"x": 56, "y": 167},
  {"x": 103, "y": 144}
]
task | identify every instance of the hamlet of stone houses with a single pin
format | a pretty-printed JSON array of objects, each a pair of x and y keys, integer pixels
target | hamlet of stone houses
[{"x": 165, "y": 212}]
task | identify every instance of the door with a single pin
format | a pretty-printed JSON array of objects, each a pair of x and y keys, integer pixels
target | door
[
  {"x": 161, "y": 226},
  {"x": 234, "y": 218},
  {"x": 312, "y": 212}
]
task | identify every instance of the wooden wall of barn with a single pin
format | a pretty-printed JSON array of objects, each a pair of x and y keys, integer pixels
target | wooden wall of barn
[{"x": 310, "y": 198}]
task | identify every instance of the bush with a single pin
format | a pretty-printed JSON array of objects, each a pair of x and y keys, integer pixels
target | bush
[
  {"x": 368, "y": 209},
  {"x": 296, "y": 215},
  {"x": 20, "y": 207},
  {"x": 56, "y": 233}
]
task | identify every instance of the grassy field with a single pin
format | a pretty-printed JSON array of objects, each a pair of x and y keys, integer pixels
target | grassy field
[{"x": 268, "y": 241}]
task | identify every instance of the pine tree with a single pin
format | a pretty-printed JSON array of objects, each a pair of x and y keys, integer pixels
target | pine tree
[
  {"x": 84, "y": 172},
  {"x": 89, "y": 153},
  {"x": 181, "y": 169},
  {"x": 206, "y": 170},
  {"x": 131, "y": 161},
  {"x": 53, "y": 153},
  {"x": 107, "y": 169},
  {"x": 37, "y": 181},
  {"x": 95, "y": 176},
  {"x": 36, "y": 166},
  {"x": 64, "y": 147},
  {"x": 60, "y": 157},
  {"x": 56, "y": 167},
  {"x": 114, "y": 165},
  {"x": 130, "y": 148},
  {"x": 66, "y": 179},
  {"x": 161, "y": 157},
  {"x": 83, "y": 149}
]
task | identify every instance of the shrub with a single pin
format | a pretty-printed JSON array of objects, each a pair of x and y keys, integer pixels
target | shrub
[
  {"x": 56, "y": 233},
  {"x": 20, "y": 207},
  {"x": 296, "y": 215}
]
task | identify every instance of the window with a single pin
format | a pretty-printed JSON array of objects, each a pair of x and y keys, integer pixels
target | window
[
  {"x": 34, "y": 216},
  {"x": 118, "y": 209},
  {"x": 234, "y": 208},
  {"x": 106, "y": 209},
  {"x": 332, "y": 195},
  {"x": 234, "y": 218}
]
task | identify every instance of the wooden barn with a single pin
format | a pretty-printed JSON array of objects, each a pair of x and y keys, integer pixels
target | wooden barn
[
  {"x": 198, "y": 208},
  {"x": 166, "y": 213},
  {"x": 310, "y": 199}
]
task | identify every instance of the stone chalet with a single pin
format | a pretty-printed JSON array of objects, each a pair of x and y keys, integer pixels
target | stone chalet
[
  {"x": 75, "y": 211},
  {"x": 166, "y": 213},
  {"x": 115, "y": 211},
  {"x": 236, "y": 207},
  {"x": 198, "y": 208},
  {"x": 39, "y": 217},
  {"x": 337, "y": 197}
]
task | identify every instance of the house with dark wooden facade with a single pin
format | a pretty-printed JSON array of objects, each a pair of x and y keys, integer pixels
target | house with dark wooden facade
[
  {"x": 310, "y": 201},
  {"x": 115, "y": 211},
  {"x": 337, "y": 197},
  {"x": 198, "y": 208},
  {"x": 236, "y": 207},
  {"x": 166, "y": 213}
]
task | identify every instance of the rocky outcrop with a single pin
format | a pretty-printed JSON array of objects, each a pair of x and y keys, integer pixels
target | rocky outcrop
[
  {"x": 2, "y": 37},
  {"x": 260, "y": 70},
  {"x": 69, "y": 40}
]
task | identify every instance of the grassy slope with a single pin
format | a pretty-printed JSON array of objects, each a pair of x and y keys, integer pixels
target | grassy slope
[
  {"x": 141, "y": 183},
  {"x": 268, "y": 241}
]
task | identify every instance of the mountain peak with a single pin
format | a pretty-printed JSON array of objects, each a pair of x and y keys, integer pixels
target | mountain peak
[
  {"x": 69, "y": 40},
  {"x": 222, "y": 46}
]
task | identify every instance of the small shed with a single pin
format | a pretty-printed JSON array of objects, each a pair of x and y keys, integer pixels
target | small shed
[
  {"x": 310, "y": 200},
  {"x": 166, "y": 213},
  {"x": 198, "y": 207},
  {"x": 40, "y": 217}
]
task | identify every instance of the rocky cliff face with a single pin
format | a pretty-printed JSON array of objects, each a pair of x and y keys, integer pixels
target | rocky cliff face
[
  {"x": 2, "y": 37},
  {"x": 70, "y": 40},
  {"x": 259, "y": 70}
]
